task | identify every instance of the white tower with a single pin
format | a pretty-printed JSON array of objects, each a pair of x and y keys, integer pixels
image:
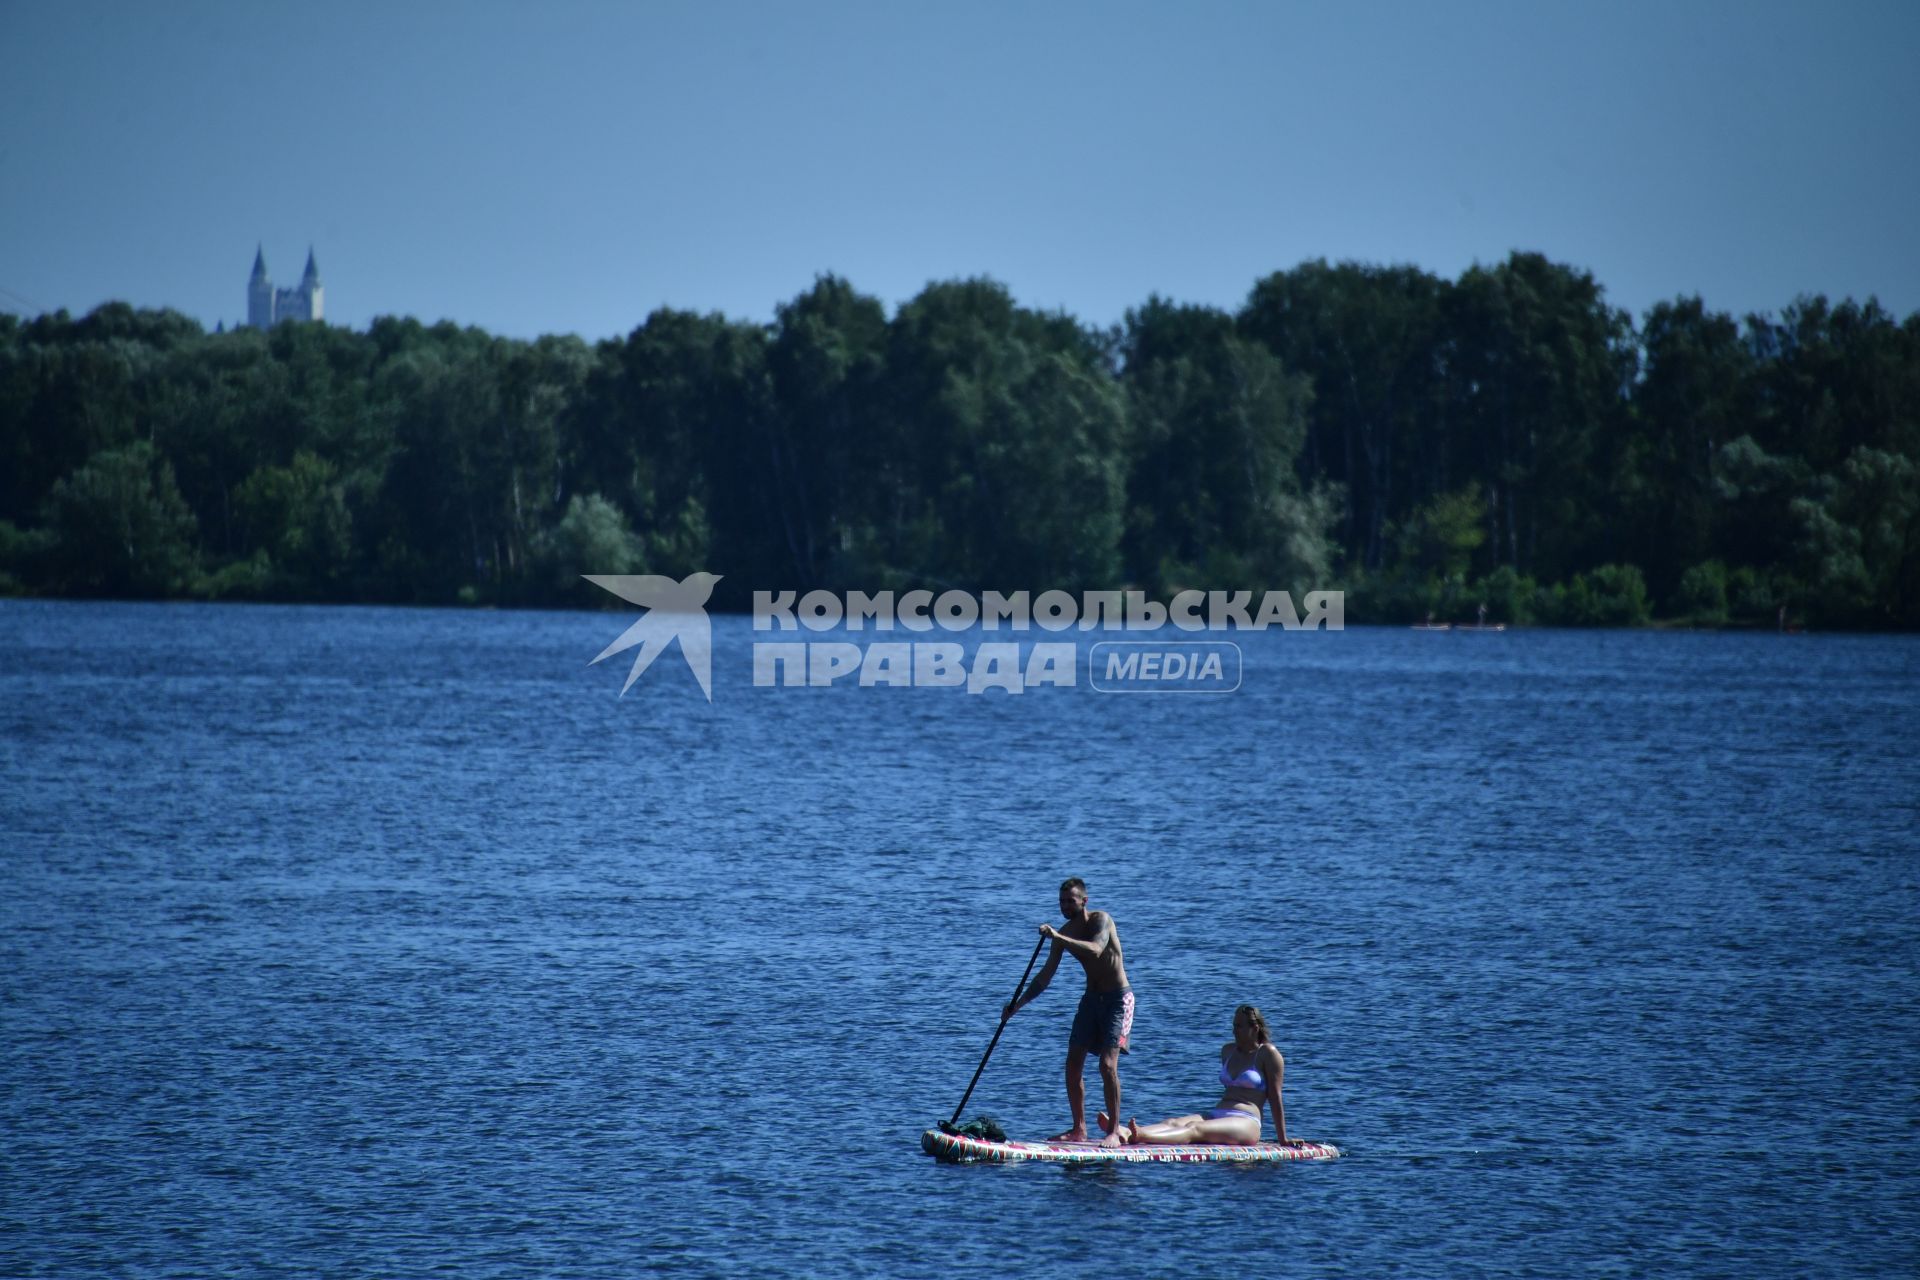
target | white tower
[
  {"x": 259, "y": 293},
  {"x": 268, "y": 306},
  {"x": 312, "y": 290}
]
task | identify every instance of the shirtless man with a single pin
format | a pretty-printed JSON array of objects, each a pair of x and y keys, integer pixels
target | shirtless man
[{"x": 1105, "y": 1016}]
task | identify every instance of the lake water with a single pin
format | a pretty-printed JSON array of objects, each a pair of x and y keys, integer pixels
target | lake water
[{"x": 374, "y": 942}]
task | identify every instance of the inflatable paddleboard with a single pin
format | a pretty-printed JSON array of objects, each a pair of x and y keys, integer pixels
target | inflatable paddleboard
[{"x": 961, "y": 1148}]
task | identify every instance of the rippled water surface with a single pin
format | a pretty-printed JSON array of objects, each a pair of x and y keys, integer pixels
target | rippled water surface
[{"x": 381, "y": 942}]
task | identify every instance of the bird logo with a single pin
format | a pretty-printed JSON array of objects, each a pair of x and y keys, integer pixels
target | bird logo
[{"x": 674, "y": 610}]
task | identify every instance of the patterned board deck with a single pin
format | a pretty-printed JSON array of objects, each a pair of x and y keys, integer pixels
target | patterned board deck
[{"x": 958, "y": 1147}]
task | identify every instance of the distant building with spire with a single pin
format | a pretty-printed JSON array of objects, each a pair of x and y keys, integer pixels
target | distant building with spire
[{"x": 268, "y": 306}]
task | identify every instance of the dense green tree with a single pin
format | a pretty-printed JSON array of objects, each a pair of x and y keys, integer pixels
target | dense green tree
[
  {"x": 297, "y": 515},
  {"x": 1442, "y": 535},
  {"x": 1696, "y": 394},
  {"x": 1835, "y": 379},
  {"x": 66, "y": 399},
  {"x": 817, "y": 468},
  {"x": 1858, "y": 550},
  {"x": 1756, "y": 491},
  {"x": 1214, "y": 499},
  {"x": 1506, "y": 438},
  {"x": 1369, "y": 340},
  {"x": 431, "y": 522},
  {"x": 657, "y": 412},
  {"x": 120, "y": 527},
  {"x": 1007, "y": 431},
  {"x": 521, "y": 448},
  {"x": 1702, "y": 594},
  {"x": 1539, "y": 371},
  {"x": 217, "y": 408},
  {"x": 591, "y": 537}
]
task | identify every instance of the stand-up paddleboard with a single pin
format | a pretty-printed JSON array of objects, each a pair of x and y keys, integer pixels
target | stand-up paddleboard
[{"x": 962, "y": 1148}]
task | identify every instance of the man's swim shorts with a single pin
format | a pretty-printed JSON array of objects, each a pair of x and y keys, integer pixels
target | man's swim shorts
[{"x": 1103, "y": 1021}]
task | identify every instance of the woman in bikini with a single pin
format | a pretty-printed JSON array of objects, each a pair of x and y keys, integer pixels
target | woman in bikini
[{"x": 1250, "y": 1072}]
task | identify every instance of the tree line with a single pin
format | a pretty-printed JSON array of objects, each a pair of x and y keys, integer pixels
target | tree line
[{"x": 1429, "y": 445}]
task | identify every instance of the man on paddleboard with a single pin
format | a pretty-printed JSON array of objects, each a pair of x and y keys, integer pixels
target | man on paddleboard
[{"x": 1105, "y": 1017}]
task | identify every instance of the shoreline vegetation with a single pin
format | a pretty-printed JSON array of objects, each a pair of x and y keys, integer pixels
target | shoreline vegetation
[{"x": 1429, "y": 446}]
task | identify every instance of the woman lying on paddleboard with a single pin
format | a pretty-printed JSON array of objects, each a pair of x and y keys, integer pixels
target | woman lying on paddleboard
[{"x": 1250, "y": 1072}]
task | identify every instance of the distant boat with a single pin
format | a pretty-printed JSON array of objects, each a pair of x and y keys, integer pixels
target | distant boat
[
  {"x": 1432, "y": 626},
  {"x": 1481, "y": 626}
]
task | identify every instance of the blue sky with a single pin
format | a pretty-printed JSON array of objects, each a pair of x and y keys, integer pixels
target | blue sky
[{"x": 569, "y": 167}]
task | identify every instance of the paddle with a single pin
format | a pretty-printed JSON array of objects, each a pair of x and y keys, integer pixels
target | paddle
[{"x": 947, "y": 1125}]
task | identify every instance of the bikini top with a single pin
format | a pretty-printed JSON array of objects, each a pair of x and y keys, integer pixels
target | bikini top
[{"x": 1248, "y": 1079}]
